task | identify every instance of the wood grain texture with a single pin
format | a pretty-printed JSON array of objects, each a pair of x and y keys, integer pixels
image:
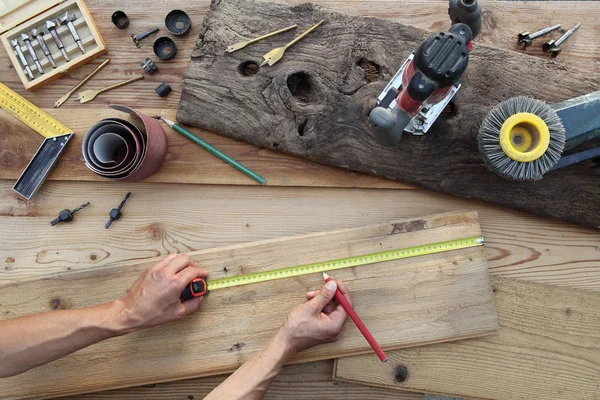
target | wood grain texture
[
  {"x": 548, "y": 347},
  {"x": 187, "y": 163},
  {"x": 327, "y": 121},
  {"x": 160, "y": 219},
  {"x": 295, "y": 382},
  {"x": 441, "y": 297}
]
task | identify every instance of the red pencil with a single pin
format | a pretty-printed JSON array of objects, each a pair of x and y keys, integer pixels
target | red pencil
[{"x": 359, "y": 324}]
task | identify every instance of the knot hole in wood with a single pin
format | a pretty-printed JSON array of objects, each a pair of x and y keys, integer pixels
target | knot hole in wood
[
  {"x": 248, "y": 68},
  {"x": 300, "y": 86}
]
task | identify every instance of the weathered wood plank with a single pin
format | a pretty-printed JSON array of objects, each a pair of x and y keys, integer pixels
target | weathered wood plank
[
  {"x": 295, "y": 382},
  {"x": 160, "y": 219},
  {"x": 548, "y": 347},
  {"x": 326, "y": 121},
  {"x": 439, "y": 297}
]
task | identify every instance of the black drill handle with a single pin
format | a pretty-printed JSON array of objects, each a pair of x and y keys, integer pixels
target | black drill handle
[{"x": 198, "y": 287}]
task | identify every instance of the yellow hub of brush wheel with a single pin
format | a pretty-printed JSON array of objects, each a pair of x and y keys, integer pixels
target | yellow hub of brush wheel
[{"x": 524, "y": 137}]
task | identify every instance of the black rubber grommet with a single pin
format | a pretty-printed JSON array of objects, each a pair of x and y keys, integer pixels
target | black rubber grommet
[
  {"x": 178, "y": 22},
  {"x": 119, "y": 18},
  {"x": 165, "y": 48},
  {"x": 163, "y": 90}
]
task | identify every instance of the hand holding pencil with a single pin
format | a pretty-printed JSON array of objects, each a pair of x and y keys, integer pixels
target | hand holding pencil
[
  {"x": 321, "y": 320},
  {"x": 318, "y": 320},
  {"x": 359, "y": 324}
]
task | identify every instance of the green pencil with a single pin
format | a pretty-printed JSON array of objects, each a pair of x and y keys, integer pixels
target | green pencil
[{"x": 214, "y": 151}]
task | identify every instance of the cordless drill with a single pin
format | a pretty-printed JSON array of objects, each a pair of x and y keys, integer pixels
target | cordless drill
[{"x": 428, "y": 79}]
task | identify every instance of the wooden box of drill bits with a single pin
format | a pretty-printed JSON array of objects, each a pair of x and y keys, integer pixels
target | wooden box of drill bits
[{"x": 47, "y": 38}]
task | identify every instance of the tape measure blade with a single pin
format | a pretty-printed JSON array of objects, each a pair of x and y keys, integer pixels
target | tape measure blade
[
  {"x": 347, "y": 262},
  {"x": 31, "y": 115}
]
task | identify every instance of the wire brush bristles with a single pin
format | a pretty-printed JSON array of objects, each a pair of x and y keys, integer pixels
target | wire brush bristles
[{"x": 489, "y": 139}]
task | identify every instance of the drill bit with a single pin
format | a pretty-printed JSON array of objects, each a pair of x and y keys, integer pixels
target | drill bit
[
  {"x": 50, "y": 27},
  {"x": 60, "y": 101},
  {"x": 525, "y": 38},
  {"x": 275, "y": 55},
  {"x": 15, "y": 44},
  {"x": 241, "y": 45},
  {"x": 25, "y": 38},
  {"x": 67, "y": 19},
  {"x": 116, "y": 213},
  {"x": 66, "y": 215},
  {"x": 39, "y": 35},
  {"x": 552, "y": 46}
]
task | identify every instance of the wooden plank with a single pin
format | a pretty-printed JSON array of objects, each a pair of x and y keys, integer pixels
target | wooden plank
[
  {"x": 439, "y": 297},
  {"x": 328, "y": 121},
  {"x": 178, "y": 218},
  {"x": 548, "y": 347},
  {"x": 295, "y": 382},
  {"x": 187, "y": 163}
]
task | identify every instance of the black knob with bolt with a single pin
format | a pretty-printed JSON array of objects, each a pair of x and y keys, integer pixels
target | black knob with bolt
[
  {"x": 66, "y": 215},
  {"x": 115, "y": 213}
]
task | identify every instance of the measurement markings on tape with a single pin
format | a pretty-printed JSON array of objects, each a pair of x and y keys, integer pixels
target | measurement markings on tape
[
  {"x": 38, "y": 120},
  {"x": 347, "y": 262}
]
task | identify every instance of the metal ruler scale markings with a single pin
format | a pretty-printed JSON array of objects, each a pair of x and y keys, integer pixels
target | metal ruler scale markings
[
  {"x": 347, "y": 262},
  {"x": 57, "y": 136}
]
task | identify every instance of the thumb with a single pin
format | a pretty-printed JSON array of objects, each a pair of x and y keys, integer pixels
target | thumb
[{"x": 324, "y": 296}]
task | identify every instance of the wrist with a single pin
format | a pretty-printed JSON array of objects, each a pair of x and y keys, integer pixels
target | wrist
[
  {"x": 283, "y": 343},
  {"x": 119, "y": 321}
]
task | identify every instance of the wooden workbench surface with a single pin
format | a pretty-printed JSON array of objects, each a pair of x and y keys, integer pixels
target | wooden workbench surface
[{"x": 163, "y": 218}]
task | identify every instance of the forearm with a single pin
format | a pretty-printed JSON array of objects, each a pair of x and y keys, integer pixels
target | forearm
[
  {"x": 37, "y": 339},
  {"x": 252, "y": 379}
]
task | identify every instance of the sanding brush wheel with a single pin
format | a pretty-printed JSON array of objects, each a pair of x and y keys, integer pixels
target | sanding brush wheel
[{"x": 521, "y": 138}]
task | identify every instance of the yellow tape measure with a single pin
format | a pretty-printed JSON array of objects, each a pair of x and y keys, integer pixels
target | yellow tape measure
[
  {"x": 32, "y": 116},
  {"x": 345, "y": 262}
]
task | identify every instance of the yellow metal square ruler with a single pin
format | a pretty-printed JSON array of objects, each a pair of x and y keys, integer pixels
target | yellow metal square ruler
[{"x": 56, "y": 138}]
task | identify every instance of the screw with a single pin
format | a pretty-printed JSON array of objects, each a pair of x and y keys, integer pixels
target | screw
[
  {"x": 67, "y": 19},
  {"x": 40, "y": 38},
  {"x": 25, "y": 38},
  {"x": 551, "y": 46},
  {"x": 525, "y": 38},
  {"x": 50, "y": 27},
  {"x": 15, "y": 44},
  {"x": 400, "y": 373},
  {"x": 136, "y": 39}
]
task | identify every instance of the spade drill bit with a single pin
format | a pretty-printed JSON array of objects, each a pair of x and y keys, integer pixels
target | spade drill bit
[
  {"x": 15, "y": 44},
  {"x": 25, "y": 38},
  {"x": 552, "y": 46},
  {"x": 67, "y": 19},
  {"x": 525, "y": 38},
  {"x": 50, "y": 27},
  {"x": 39, "y": 35}
]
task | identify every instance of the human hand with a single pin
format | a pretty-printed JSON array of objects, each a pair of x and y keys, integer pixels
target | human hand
[
  {"x": 154, "y": 298},
  {"x": 318, "y": 320}
]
